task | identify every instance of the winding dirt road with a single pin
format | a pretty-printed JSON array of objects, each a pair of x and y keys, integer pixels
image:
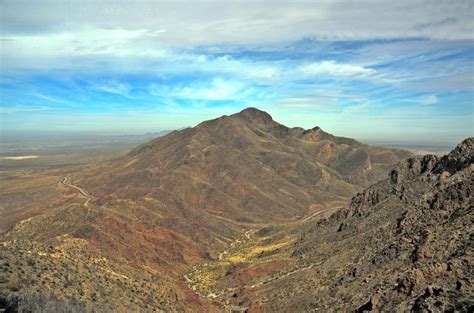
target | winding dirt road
[
  {"x": 314, "y": 214},
  {"x": 81, "y": 191}
]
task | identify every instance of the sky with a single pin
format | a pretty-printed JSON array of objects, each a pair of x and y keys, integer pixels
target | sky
[{"x": 394, "y": 71}]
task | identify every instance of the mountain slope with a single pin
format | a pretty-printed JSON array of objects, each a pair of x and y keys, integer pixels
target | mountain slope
[{"x": 403, "y": 244}]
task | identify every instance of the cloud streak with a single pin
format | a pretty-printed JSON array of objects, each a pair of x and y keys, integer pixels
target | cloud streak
[
  {"x": 428, "y": 100},
  {"x": 336, "y": 69},
  {"x": 117, "y": 88}
]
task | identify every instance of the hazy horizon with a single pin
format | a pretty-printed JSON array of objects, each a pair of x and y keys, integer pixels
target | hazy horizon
[
  {"x": 101, "y": 134},
  {"x": 372, "y": 70}
]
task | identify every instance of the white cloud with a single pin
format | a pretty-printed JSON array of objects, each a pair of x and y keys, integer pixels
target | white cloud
[
  {"x": 117, "y": 88},
  {"x": 121, "y": 51},
  {"x": 428, "y": 100},
  {"x": 67, "y": 50},
  {"x": 306, "y": 103},
  {"x": 12, "y": 109},
  {"x": 50, "y": 98},
  {"x": 217, "y": 89},
  {"x": 336, "y": 69}
]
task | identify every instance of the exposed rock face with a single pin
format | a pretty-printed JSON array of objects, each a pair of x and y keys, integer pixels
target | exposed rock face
[
  {"x": 459, "y": 158},
  {"x": 413, "y": 167},
  {"x": 256, "y": 116}
]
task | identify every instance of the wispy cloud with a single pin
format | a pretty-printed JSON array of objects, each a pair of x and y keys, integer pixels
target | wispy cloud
[
  {"x": 217, "y": 89},
  {"x": 317, "y": 95},
  {"x": 308, "y": 103},
  {"x": 13, "y": 109},
  {"x": 50, "y": 98},
  {"x": 117, "y": 88},
  {"x": 428, "y": 100},
  {"x": 336, "y": 69}
]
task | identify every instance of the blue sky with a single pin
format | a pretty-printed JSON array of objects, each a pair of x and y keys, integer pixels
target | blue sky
[{"x": 372, "y": 70}]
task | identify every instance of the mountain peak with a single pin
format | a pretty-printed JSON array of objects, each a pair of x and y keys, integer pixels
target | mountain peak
[
  {"x": 465, "y": 149},
  {"x": 255, "y": 115},
  {"x": 461, "y": 157},
  {"x": 457, "y": 160}
]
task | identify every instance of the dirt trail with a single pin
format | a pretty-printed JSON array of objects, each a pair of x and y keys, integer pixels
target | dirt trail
[
  {"x": 314, "y": 214},
  {"x": 81, "y": 191},
  {"x": 282, "y": 276}
]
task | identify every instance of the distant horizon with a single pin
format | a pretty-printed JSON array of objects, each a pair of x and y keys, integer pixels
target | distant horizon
[{"x": 91, "y": 133}]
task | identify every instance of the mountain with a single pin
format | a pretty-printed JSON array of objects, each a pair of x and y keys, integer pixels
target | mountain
[
  {"x": 200, "y": 186},
  {"x": 403, "y": 244},
  {"x": 244, "y": 166},
  {"x": 177, "y": 202}
]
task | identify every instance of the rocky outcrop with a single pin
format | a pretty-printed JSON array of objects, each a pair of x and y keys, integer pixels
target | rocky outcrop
[
  {"x": 428, "y": 248},
  {"x": 413, "y": 167},
  {"x": 256, "y": 116},
  {"x": 459, "y": 158}
]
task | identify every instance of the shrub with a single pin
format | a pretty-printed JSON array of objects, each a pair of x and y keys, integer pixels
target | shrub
[{"x": 35, "y": 302}]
